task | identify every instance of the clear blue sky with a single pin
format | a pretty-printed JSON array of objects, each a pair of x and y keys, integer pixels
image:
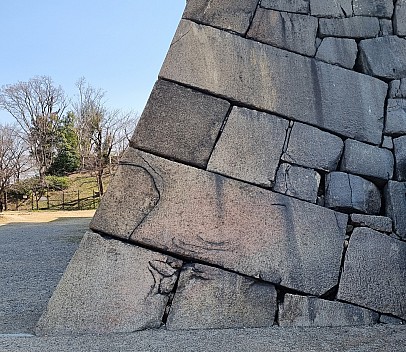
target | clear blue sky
[{"x": 117, "y": 45}]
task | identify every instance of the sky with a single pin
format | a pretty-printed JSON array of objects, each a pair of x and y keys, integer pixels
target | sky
[{"x": 117, "y": 45}]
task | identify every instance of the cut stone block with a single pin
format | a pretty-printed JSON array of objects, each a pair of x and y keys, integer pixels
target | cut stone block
[
  {"x": 399, "y": 148},
  {"x": 234, "y": 225},
  {"x": 298, "y": 6},
  {"x": 399, "y": 19},
  {"x": 377, "y": 8},
  {"x": 180, "y": 123},
  {"x": 367, "y": 160},
  {"x": 297, "y": 182},
  {"x": 211, "y": 298},
  {"x": 337, "y": 8},
  {"x": 234, "y": 15},
  {"x": 293, "y": 32},
  {"x": 348, "y": 193},
  {"x": 339, "y": 51},
  {"x": 250, "y": 147},
  {"x": 313, "y": 148},
  {"x": 395, "y": 205},
  {"x": 316, "y": 312},
  {"x": 395, "y": 124},
  {"x": 383, "y": 57},
  {"x": 378, "y": 223},
  {"x": 110, "y": 287},
  {"x": 374, "y": 274},
  {"x": 353, "y": 27},
  {"x": 387, "y": 142},
  {"x": 397, "y": 88},
  {"x": 386, "y": 27},
  {"x": 285, "y": 83}
]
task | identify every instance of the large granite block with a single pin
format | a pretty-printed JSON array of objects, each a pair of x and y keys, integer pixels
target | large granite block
[
  {"x": 285, "y": 83},
  {"x": 399, "y": 148},
  {"x": 313, "y": 148},
  {"x": 180, "y": 123},
  {"x": 298, "y": 6},
  {"x": 386, "y": 27},
  {"x": 395, "y": 206},
  {"x": 313, "y": 311},
  {"x": 290, "y": 31},
  {"x": 348, "y": 193},
  {"x": 353, "y": 27},
  {"x": 383, "y": 57},
  {"x": 211, "y": 298},
  {"x": 367, "y": 160},
  {"x": 336, "y": 8},
  {"x": 374, "y": 274},
  {"x": 234, "y": 225},
  {"x": 234, "y": 15},
  {"x": 378, "y": 223},
  {"x": 250, "y": 147},
  {"x": 395, "y": 123},
  {"x": 110, "y": 286},
  {"x": 377, "y": 8},
  {"x": 399, "y": 19},
  {"x": 338, "y": 51}
]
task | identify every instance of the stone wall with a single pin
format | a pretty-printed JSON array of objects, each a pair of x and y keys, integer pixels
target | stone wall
[{"x": 265, "y": 181}]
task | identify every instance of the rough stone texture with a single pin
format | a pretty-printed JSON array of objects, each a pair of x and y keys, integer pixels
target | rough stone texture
[
  {"x": 250, "y": 147},
  {"x": 180, "y": 123},
  {"x": 339, "y": 51},
  {"x": 211, "y": 298},
  {"x": 285, "y": 83},
  {"x": 399, "y": 19},
  {"x": 378, "y": 223},
  {"x": 395, "y": 206},
  {"x": 100, "y": 294},
  {"x": 386, "y": 27},
  {"x": 397, "y": 88},
  {"x": 313, "y": 311},
  {"x": 366, "y": 160},
  {"x": 374, "y": 274},
  {"x": 293, "y": 32},
  {"x": 348, "y": 193},
  {"x": 297, "y": 182},
  {"x": 399, "y": 149},
  {"x": 387, "y": 142},
  {"x": 352, "y": 27},
  {"x": 232, "y": 15},
  {"x": 395, "y": 123},
  {"x": 337, "y": 8},
  {"x": 313, "y": 148},
  {"x": 383, "y": 57},
  {"x": 377, "y": 8},
  {"x": 387, "y": 319},
  {"x": 237, "y": 226},
  {"x": 298, "y": 6}
]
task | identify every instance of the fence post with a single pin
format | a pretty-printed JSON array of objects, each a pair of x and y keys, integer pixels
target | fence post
[
  {"x": 63, "y": 200},
  {"x": 47, "y": 200},
  {"x": 78, "y": 200},
  {"x": 32, "y": 201}
]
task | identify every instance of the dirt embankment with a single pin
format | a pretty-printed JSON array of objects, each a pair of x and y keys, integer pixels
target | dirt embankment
[{"x": 42, "y": 216}]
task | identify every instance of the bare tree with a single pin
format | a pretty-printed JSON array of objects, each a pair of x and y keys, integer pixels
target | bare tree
[{"x": 37, "y": 106}]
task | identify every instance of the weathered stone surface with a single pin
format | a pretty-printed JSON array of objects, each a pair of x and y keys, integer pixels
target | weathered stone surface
[
  {"x": 387, "y": 319},
  {"x": 367, "y": 160},
  {"x": 297, "y": 182},
  {"x": 395, "y": 123},
  {"x": 387, "y": 142},
  {"x": 399, "y": 19},
  {"x": 313, "y": 148},
  {"x": 399, "y": 148},
  {"x": 397, "y": 88},
  {"x": 395, "y": 205},
  {"x": 211, "y": 298},
  {"x": 110, "y": 286},
  {"x": 180, "y": 123},
  {"x": 290, "y": 31},
  {"x": 237, "y": 226},
  {"x": 284, "y": 83},
  {"x": 378, "y": 8},
  {"x": 378, "y": 223},
  {"x": 339, "y": 51},
  {"x": 337, "y": 8},
  {"x": 313, "y": 311},
  {"x": 250, "y": 146},
  {"x": 298, "y": 6},
  {"x": 352, "y": 27},
  {"x": 386, "y": 27},
  {"x": 348, "y": 193},
  {"x": 374, "y": 274},
  {"x": 383, "y": 57},
  {"x": 233, "y": 15}
]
